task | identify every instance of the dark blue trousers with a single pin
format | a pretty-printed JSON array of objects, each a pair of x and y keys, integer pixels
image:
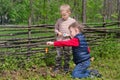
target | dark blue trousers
[{"x": 81, "y": 70}]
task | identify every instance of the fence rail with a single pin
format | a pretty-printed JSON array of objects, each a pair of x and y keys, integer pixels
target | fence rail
[{"x": 14, "y": 38}]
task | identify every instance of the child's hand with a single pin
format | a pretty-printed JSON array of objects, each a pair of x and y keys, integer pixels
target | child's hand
[
  {"x": 66, "y": 35},
  {"x": 50, "y": 43},
  {"x": 60, "y": 34}
]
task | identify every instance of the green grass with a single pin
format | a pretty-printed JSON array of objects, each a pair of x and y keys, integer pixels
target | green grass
[
  {"x": 107, "y": 59},
  {"x": 21, "y": 67}
]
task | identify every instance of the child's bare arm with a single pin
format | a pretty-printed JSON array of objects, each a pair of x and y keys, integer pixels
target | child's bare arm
[{"x": 50, "y": 43}]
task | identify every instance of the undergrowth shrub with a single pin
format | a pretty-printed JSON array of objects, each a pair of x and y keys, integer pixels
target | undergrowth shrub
[
  {"x": 21, "y": 62},
  {"x": 108, "y": 48},
  {"x": 50, "y": 59}
]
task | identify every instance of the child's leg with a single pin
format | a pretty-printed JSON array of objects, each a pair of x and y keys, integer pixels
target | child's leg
[
  {"x": 80, "y": 71},
  {"x": 58, "y": 60},
  {"x": 66, "y": 58}
]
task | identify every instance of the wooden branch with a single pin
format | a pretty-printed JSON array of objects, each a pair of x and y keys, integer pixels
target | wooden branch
[
  {"x": 93, "y": 36},
  {"x": 18, "y": 39}
]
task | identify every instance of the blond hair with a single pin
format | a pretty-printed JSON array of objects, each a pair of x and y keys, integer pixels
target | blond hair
[
  {"x": 65, "y": 7},
  {"x": 77, "y": 25}
]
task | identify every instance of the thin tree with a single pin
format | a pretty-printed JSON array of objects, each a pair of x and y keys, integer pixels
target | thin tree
[
  {"x": 118, "y": 8},
  {"x": 110, "y": 8},
  {"x": 104, "y": 12},
  {"x": 84, "y": 11},
  {"x": 45, "y": 12}
]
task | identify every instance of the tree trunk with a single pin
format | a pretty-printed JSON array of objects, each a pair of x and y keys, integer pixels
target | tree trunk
[
  {"x": 44, "y": 6},
  {"x": 110, "y": 8},
  {"x": 118, "y": 8},
  {"x": 84, "y": 11},
  {"x": 104, "y": 12},
  {"x": 0, "y": 19}
]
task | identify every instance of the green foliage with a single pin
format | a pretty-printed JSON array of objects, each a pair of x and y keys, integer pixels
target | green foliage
[
  {"x": 20, "y": 12},
  {"x": 21, "y": 62},
  {"x": 5, "y": 6},
  {"x": 50, "y": 59},
  {"x": 47, "y": 11},
  {"x": 109, "y": 48},
  {"x": 106, "y": 55},
  {"x": 94, "y": 10},
  {"x": 114, "y": 15}
]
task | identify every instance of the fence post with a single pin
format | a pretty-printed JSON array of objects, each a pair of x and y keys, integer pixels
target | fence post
[{"x": 29, "y": 29}]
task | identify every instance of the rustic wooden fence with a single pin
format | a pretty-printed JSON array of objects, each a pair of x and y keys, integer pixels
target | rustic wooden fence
[{"x": 24, "y": 40}]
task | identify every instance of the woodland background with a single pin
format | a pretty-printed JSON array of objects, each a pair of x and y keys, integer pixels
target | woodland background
[{"x": 26, "y": 25}]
